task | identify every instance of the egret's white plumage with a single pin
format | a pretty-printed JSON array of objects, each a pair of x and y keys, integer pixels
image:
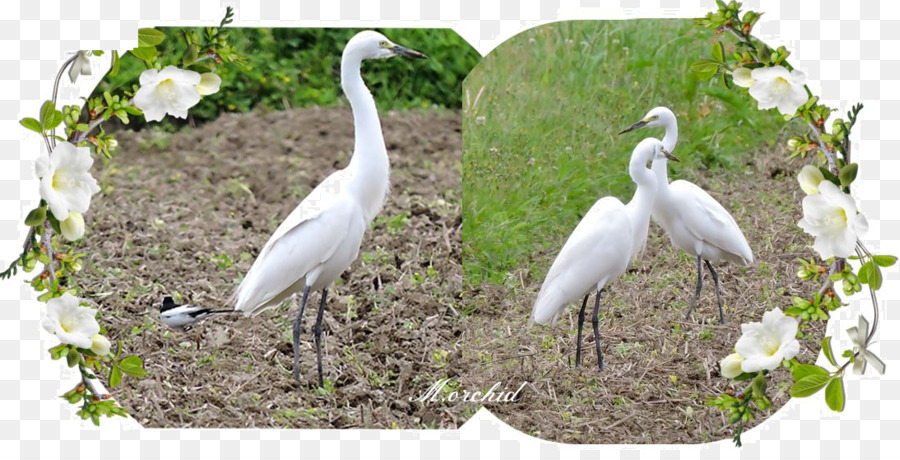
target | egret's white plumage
[
  {"x": 601, "y": 246},
  {"x": 695, "y": 222},
  {"x": 321, "y": 237}
]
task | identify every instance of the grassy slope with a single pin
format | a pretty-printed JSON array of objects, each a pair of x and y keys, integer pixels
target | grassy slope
[{"x": 546, "y": 148}]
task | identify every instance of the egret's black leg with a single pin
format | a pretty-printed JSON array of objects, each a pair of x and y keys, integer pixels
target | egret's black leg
[
  {"x": 580, "y": 326},
  {"x": 596, "y": 321},
  {"x": 699, "y": 286},
  {"x": 715, "y": 277},
  {"x": 296, "y": 335},
  {"x": 319, "y": 336}
]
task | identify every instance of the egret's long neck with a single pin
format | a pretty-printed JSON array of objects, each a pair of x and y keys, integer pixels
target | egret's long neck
[
  {"x": 641, "y": 203},
  {"x": 370, "y": 165},
  {"x": 661, "y": 167}
]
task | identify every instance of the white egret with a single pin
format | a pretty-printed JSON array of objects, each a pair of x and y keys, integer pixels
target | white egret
[
  {"x": 696, "y": 223},
  {"x": 321, "y": 237},
  {"x": 600, "y": 247}
]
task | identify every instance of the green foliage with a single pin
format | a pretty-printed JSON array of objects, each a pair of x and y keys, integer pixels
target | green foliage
[
  {"x": 301, "y": 67},
  {"x": 541, "y": 144}
]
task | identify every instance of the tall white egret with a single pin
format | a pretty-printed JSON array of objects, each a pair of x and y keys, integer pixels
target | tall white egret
[
  {"x": 696, "y": 223},
  {"x": 598, "y": 251},
  {"x": 321, "y": 237}
]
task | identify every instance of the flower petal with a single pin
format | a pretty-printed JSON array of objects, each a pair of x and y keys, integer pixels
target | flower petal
[
  {"x": 209, "y": 84},
  {"x": 742, "y": 77}
]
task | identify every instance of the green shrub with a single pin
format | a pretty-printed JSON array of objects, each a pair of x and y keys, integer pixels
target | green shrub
[{"x": 285, "y": 68}]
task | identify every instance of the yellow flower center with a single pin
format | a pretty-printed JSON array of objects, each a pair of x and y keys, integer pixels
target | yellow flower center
[
  {"x": 842, "y": 215},
  {"x": 166, "y": 82}
]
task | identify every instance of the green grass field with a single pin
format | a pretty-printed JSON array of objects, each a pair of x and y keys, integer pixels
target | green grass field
[{"x": 541, "y": 141}]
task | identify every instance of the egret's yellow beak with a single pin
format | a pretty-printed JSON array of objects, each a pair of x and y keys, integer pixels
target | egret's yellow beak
[{"x": 404, "y": 51}]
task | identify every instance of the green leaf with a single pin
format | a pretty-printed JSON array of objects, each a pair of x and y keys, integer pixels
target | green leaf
[
  {"x": 133, "y": 366},
  {"x": 144, "y": 53},
  {"x": 36, "y": 217},
  {"x": 705, "y": 69},
  {"x": 73, "y": 358},
  {"x": 115, "y": 64},
  {"x": 863, "y": 274},
  {"x": 718, "y": 52},
  {"x": 59, "y": 351},
  {"x": 47, "y": 112},
  {"x": 870, "y": 274},
  {"x": 150, "y": 37},
  {"x": 32, "y": 124},
  {"x": 115, "y": 377},
  {"x": 834, "y": 394},
  {"x": 826, "y": 349},
  {"x": 809, "y": 385},
  {"x": 801, "y": 371},
  {"x": 848, "y": 174},
  {"x": 759, "y": 385},
  {"x": 54, "y": 120},
  {"x": 190, "y": 55},
  {"x": 884, "y": 261}
]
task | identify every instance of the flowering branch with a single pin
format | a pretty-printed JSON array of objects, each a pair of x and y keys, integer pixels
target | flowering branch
[
  {"x": 66, "y": 188},
  {"x": 774, "y": 83}
]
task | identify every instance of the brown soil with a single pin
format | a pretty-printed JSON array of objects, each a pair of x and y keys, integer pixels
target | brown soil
[
  {"x": 660, "y": 368},
  {"x": 187, "y": 213}
]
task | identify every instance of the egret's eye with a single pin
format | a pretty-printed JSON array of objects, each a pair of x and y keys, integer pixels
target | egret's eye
[{"x": 383, "y": 44}]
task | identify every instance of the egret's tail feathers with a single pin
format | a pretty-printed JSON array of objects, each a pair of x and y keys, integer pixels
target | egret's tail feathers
[{"x": 547, "y": 306}]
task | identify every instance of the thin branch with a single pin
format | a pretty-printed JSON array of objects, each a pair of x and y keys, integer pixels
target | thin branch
[
  {"x": 829, "y": 156},
  {"x": 48, "y": 245}
]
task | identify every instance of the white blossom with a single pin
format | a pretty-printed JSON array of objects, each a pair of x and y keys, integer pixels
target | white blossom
[
  {"x": 70, "y": 322},
  {"x": 810, "y": 177},
  {"x": 81, "y": 65},
  {"x": 209, "y": 84},
  {"x": 66, "y": 184},
  {"x": 774, "y": 87},
  {"x": 764, "y": 345},
  {"x": 832, "y": 218},
  {"x": 100, "y": 345},
  {"x": 73, "y": 227},
  {"x": 730, "y": 366},
  {"x": 169, "y": 91}
]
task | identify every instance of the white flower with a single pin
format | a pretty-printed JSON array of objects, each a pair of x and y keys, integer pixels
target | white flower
[
  {"x": 73, "y": 227},
  {"x": 831, "y": 217},
  {"x": 81, "y": 65},
  {"x": 742, "y": 77},
  {"x": 70, "y": 322},
  {"x": 209, "y": 84},
  {"x": 730, "y": 367},
  {"x": 774, "y": 87},
  {"x": 810, "y": 177},
  {"x": 764, "y": 345},
  {"x": 66, "y": 184},
  {"x": 169, "y": 91},
  {"x": 100, "y": 345}
]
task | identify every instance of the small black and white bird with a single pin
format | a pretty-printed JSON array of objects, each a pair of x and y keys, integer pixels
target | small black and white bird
[{"x": 183, "y": 317}]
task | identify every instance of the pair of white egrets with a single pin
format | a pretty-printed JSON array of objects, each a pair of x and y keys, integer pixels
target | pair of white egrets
[{"x": 611, "y": 234}]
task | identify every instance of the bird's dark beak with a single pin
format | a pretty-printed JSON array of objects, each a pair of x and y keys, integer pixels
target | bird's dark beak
[
  {"x": 633, "y": 127},
  {"x": 404, "y": 51},
  {"x": 668, "y": 155}
]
